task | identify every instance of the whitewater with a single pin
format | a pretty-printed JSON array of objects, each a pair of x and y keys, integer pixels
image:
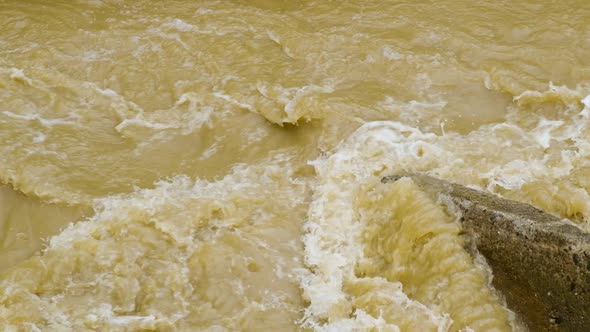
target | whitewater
[{"x": 217, "y": 165}]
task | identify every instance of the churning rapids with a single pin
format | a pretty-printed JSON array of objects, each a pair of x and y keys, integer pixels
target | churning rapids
[{"x": 216, "y": 165}]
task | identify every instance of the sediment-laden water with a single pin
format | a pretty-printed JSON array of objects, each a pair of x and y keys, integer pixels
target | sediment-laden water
[{"x": 216, "y": 165}]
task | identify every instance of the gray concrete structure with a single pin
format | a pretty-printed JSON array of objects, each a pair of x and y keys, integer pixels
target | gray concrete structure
[{"x": 540, "y": 263}]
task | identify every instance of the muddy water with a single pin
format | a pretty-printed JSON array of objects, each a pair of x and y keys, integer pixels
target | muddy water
[{"x": 215, "y": 165}]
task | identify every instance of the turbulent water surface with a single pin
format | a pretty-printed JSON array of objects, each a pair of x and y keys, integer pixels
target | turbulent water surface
[{"x": 216, "y": 165}]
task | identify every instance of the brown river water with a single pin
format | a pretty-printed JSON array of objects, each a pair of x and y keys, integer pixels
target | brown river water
[{"x": 216, "y": 165}]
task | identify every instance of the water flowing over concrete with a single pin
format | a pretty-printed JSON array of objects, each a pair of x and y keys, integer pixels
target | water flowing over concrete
[{"x": 541, "y": 263}]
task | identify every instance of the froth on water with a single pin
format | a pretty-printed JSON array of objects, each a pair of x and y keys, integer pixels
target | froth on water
[{"x": 216, "y": 165}]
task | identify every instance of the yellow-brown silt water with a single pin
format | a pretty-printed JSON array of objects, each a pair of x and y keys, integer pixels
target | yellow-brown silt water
[{"x": 216, "y": 165}]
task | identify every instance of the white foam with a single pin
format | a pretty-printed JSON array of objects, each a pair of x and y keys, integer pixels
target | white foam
[
  {"x": 542, "y": 133},
  {"x": 209, "y": 152},
  {"x": 391, "y": 54},
  {"x": 39, "y": 137},
  {"x": 188, "y": 114},
  {"x": 333, "y": 242},
  {"x": 233, "y": 101},
  {"x": 182, "y": 26},
  {"x": 585, "y": 113},
  {"x": 556, "y": 92},
  {"x": 18, "y": 74},
  {"x": 43, "y": 121}
]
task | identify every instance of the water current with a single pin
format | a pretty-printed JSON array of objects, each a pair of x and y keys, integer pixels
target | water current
[{"x": 216, "y": 165}]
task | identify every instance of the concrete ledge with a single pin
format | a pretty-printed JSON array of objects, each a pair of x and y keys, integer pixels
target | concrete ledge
[{"x": 541, "y": 264}]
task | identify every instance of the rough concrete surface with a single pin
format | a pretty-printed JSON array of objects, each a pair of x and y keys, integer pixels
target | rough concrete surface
[{"x": 540, "y": 263}]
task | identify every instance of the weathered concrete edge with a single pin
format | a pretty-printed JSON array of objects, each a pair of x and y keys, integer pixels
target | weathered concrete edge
[{"x": 541, "y": 264}]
